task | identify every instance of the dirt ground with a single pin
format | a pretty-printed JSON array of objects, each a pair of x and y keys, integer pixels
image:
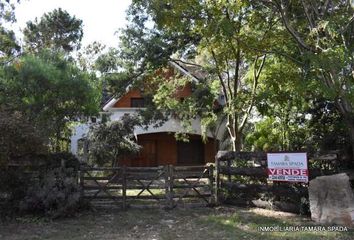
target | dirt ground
[{"x": 202, "y": 223}]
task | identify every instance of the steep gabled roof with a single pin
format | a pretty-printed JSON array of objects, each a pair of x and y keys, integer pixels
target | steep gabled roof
[{"x": 194, "y": 71}]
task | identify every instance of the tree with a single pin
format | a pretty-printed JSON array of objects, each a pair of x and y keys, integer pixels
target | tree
[
  {"x": 283, "y": 101},
  {"x": 16, "y": 134},
  {"x": 212, "y": 36},
  {"x": 50, "y": 90},
  {"x": 8, "y": 45},
  {"x": 55, "y": 30},
  {"x": 327, "y": 128},
  {"x": 111, "y": 141},
  {"x": 88, "y": 56},
  {"x": 323, "y": 33}
]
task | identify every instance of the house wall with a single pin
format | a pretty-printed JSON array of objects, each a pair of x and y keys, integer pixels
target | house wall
[
  {"x": 184, "y": 92},
  {"x": 165, "y": 150},
  {"x": 124, "y": 101}
]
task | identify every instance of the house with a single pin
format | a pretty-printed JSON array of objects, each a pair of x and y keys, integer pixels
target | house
[{"x": 159, "y": 145}]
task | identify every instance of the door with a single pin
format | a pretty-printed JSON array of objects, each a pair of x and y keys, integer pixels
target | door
[
  {"x": 147, "y": 154},
  {"x": 190, "y": 153}
]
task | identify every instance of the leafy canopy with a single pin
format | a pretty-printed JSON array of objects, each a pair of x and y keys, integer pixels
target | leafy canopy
[
  {"x": 49, "y": 89},
  {"x": 55, "y": 30},
  {"x": 8, "y": 44},
  {"x": 111, "y": 141}
]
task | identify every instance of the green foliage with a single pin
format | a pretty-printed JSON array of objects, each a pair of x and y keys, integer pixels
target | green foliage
[
  {"x": 57, "y": 194},
  {"x": 7, "y": 8},
  {"x": 55, "y": 30},
  {"x": 326, "y": 127},
  {"x": 8, "y": 44},
  {"x": 48, "y": 187},
  {"x": 212, "y": 37},
  {"x": 13, "y": 187},
  {"x": 323, "y": 32},
  {"x": 109, "y": 142},
  {"x": 19, "y": 139},
  {"x": 266, "y": 136},
  {"x": 89, "y": 55},
  {"x": 50, "y": 91},
  {"x": 108, "y": 61}
]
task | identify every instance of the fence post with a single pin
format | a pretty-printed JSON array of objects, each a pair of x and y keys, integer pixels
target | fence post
[
  {"x": 167, "y": 189},
  {"x": 228, "y": 168},
  {"x": 124, "y": 187},
  {"x": 168, "y": 169},
  {"x": 81, "y": 182},
  {"x": 211, "y": 184},
  {"x": 217, "y": 180},
  {"x": 171, "y": 173}
]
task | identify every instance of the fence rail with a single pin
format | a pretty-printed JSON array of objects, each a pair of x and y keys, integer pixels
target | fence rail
[
  {"x": 241, "y": 178},
  {"x": 168, "y": 186}
]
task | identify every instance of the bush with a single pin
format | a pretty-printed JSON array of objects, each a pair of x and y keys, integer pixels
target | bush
[
  {"x": 19, "y": 138},
  {"x": 61, "y": 159},
  {"x": 109, "y": 142},
  {"x": 50, "y": 189},
  {"x": 56, "y": 194},
  {"x": 13, "y": 188}
]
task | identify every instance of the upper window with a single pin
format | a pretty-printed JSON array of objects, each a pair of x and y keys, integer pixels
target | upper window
[{"x": 137, "y": 102}]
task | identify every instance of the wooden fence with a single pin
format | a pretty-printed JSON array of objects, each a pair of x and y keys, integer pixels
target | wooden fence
[
  {"x": 164, "y": 186},
  {"x": 241, "y": 179}
]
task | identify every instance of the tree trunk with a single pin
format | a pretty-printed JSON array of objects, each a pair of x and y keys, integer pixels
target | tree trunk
[
  {"x": 346, "y": 111},
  {"x": 232, "y": 132},
  {"x": 350, "y": 125},
  {"x": 57, "y": 144},
  {"x": 233, "y": 143},
  {"x": 238, "y": 142}
]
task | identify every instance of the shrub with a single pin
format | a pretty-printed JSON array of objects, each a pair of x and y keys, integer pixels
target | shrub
[
  {"x": 49, "y": 189},
  {"x": 19, "y": 138},
  {"x": 108, "y": 142},
  {"x": 56, "y": 194},
  {"x": 13, "y": 187}
]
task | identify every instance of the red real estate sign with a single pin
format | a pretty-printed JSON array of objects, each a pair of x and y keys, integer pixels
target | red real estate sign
[{"x": 288, "y": 167}]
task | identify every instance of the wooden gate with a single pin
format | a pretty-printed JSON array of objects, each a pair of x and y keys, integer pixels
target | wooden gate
[{"x": 165, "y": 186}]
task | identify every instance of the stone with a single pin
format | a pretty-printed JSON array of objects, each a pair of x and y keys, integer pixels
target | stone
[{"x": 332, "y": 200}]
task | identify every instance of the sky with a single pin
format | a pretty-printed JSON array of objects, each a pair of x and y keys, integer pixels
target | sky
[{"x": 101, "y": 19}]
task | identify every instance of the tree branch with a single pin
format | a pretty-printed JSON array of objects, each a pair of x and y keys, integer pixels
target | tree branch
[
  {"x": 284, "y": 15},
  {"x": 306, "y": 10},
  {"x": 256, "y": 75},
  {"x": 220, "y": 77}
]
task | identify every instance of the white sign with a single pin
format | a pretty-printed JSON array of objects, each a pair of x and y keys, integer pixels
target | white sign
[{"x": 289, "y": 167}]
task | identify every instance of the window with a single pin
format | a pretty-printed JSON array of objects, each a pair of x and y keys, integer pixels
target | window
[
  {"x": 93, "y": 119},
  {"x": 137, "y": 102}
]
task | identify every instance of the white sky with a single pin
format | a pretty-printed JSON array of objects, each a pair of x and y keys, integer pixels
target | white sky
[{"x": 101, "y": 19}]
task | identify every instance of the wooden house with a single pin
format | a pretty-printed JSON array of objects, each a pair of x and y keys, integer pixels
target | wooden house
[{"x": 159, "y": 145}]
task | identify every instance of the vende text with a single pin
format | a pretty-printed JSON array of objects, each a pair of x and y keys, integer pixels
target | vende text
[{"x": 295, "y": 172}]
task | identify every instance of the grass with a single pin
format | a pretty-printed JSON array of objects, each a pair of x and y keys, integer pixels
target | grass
[{"x": 203, "y": 223}]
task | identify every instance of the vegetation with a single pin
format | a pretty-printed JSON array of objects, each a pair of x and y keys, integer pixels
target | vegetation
[
  {"x": 278, "y": 74},
  {"x": 50, "y": 90},
  {"x": 16, "y": 131},
  {"x": 323, "y": 32},
  {"x": 42, "y": 92},
  {"x": 273, "y": 62},
  {"x": 55, "y": 30},
  {"x": 8, "y": 44},
  {"x": 111, "y": 141},
  {"x": 57, "y": 194}
]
